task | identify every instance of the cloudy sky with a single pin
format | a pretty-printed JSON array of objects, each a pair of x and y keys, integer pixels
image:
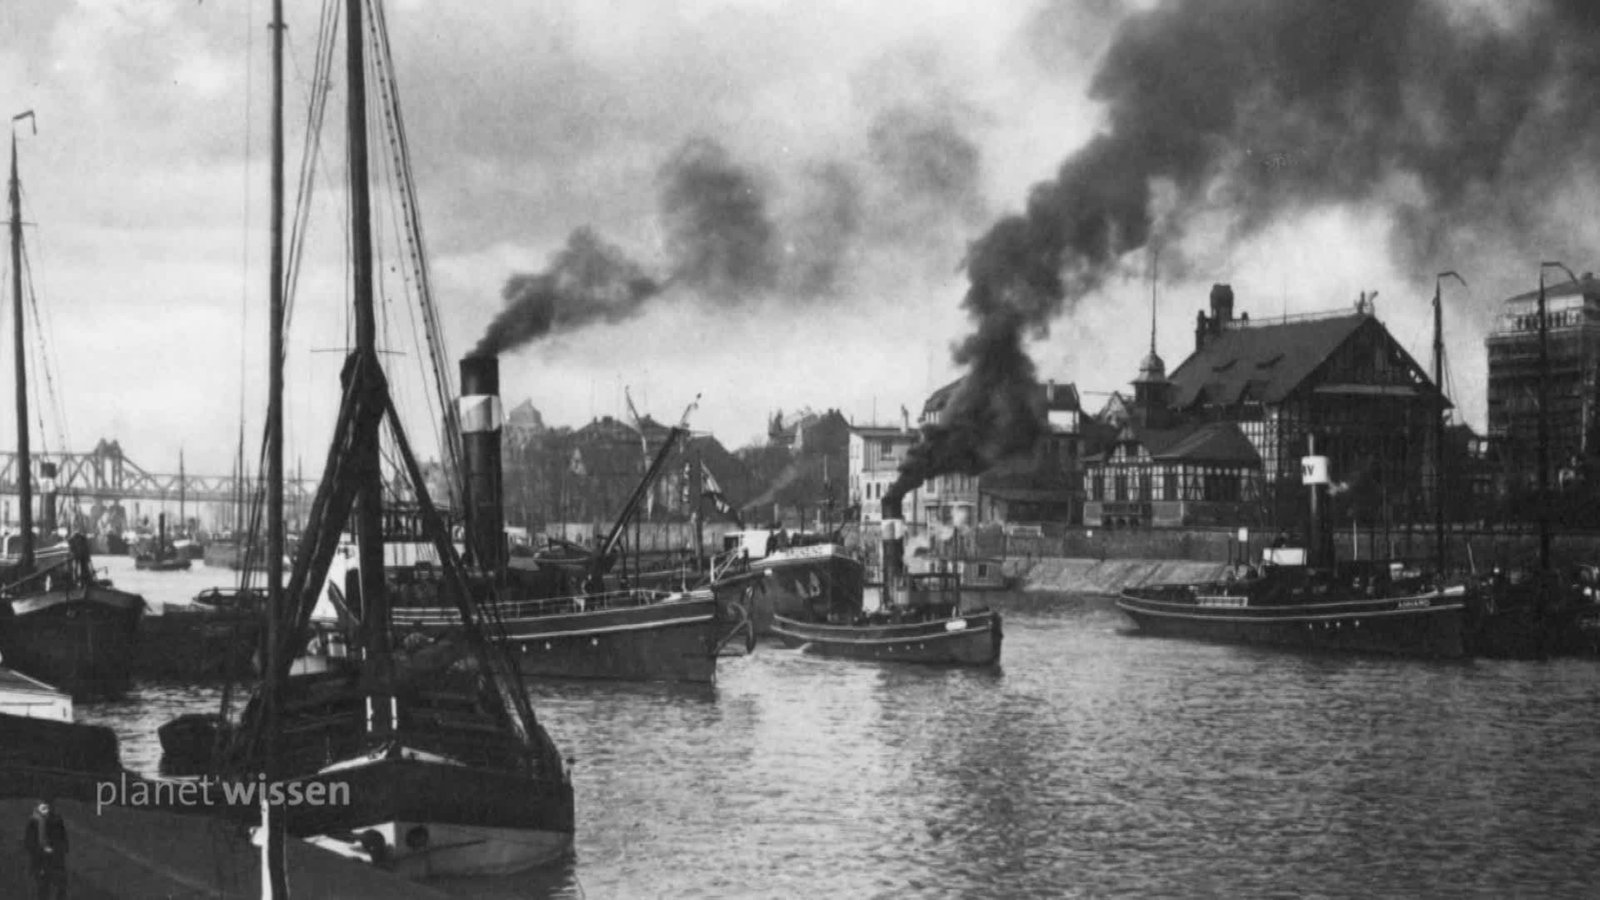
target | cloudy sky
[{"x": 865, "y": 145}]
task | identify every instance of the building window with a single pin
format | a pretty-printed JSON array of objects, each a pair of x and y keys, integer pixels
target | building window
[
  {"x": 1120, "y": 487},
  {"x": 1144, "y": 487},
  {"x": 1169, "y": 485},
  {"x": 1097, "y": 486}
]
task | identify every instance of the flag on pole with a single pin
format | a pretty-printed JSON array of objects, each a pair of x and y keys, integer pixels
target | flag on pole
[{"x": 713, "y": 492}]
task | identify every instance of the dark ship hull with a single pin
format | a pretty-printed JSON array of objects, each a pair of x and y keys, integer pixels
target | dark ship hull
[
  {"x": 624, "y": 635},
  {"x": 82, "y": 638},
  {"x": 804, "y": 582},
  {"x": 1422, "y": 624}
]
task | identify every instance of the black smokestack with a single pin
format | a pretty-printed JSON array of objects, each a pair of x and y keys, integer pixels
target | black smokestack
[
  {"x": 1463, "y": 123},
  {"x": 47, "y": 499},
  {"x": 480, "y": 444}
]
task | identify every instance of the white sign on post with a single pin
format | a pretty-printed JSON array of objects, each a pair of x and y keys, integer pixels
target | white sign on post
[{"x": 1313, "y": 470}]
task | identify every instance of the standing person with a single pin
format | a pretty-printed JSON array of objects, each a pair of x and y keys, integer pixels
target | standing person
[{"x": 46, "y": 840}]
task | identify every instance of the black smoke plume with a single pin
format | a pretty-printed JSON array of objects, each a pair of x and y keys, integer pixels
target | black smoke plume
[
  {"x": 926, "y": 157},
  {"x": 1461, "y": 120},
  {"x": 587, "y": 281},
  {"x": 719, "y": 234},
  {"x": 824, "y": 232}
]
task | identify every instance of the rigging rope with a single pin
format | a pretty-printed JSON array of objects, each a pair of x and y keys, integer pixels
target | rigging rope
[
  {"x": 38, "y": 355},
  {"x": 44, "y": 332},
  {"x": 449, "y": 441}
]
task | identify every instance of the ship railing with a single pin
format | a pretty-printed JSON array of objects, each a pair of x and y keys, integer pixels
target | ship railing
[{"x": 507, "y": 610}]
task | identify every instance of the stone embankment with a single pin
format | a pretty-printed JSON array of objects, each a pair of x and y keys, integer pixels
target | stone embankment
[{"x": 1096, "y": 576}]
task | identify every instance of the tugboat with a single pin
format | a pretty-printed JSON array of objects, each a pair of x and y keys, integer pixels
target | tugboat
[
  {"x": 920, "y": 617},
  {"x": 1300, "y": 598}
]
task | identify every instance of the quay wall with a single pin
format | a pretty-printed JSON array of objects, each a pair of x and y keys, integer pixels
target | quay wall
[
  {"x": 1467, "y": 549},
  {"x": 1095, "y": 576}
]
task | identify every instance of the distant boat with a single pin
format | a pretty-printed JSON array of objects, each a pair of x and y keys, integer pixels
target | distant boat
[{"x": 161, "y": 556}]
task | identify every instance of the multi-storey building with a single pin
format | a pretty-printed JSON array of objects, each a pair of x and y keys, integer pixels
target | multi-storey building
[
  {"x": 1041, "y": 486},
  {"x": 1572, "y": 315},
  {"x": 876, "y": 453}
]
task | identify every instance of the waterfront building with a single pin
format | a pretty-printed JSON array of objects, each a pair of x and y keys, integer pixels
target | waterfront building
[
  {"x": 561, "y": 475},
  {"x": 1339, "y": 376},
  {"x": 1037, "y": 487},
  {"x": 1572, "y": 312},
  {"x": 876, "y": 452},
  {"x": 1044, "y": 486},
  {"x": 1163, "y": 470}
]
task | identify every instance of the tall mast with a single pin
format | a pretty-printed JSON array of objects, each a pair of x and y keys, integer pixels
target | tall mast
[
  {"x": 369, "y": 497},
  {"x": 274, "y": 876},
  {"x": 1438, "y": 418},
  {"x": 183, "y": 514},
  {"x": 1544, "y": 429},
  {"x": 24, "y": 458}
]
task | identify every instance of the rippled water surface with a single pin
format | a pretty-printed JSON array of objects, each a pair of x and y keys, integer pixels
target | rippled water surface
[{"x": 1092, "y": 763}]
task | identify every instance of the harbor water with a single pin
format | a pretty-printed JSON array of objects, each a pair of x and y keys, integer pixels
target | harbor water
[{"x": 1091, "y": 763}]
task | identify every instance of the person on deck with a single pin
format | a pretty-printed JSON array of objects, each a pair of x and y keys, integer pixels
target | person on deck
[{"x": 46, "y": 841}]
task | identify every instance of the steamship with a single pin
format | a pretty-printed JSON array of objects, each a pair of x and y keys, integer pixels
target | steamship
[
  {"x": 920, "y": 618},
  {"x": 561, "y": 623},
  {"x": 1300, "y": 598}
]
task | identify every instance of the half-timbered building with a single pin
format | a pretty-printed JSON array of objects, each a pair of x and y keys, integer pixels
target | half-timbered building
[{"x": 1340, "y": 377}]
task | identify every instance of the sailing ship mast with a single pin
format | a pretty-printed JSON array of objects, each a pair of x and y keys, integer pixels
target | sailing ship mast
[
  {"x": 1438, "y": 418},
  {"x": 367, "y": 462},
  {"x": 274, "y": 876},
  {"x": 24, "y": 467}
]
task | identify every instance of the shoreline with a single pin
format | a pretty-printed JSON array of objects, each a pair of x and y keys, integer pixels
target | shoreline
[{"x": 1106, "y": 577}]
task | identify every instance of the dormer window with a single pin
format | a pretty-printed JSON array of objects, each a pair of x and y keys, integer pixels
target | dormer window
[
  {"x": 1223, "y": 367},
  {"x": 1269, "y": 363}
]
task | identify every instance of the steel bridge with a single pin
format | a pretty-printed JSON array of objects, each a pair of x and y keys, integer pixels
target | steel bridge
[{"x": 105, "y": 473}]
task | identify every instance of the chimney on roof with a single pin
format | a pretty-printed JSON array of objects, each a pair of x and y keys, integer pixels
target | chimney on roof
[
  {"x": 1222, "y": 302},
  {"x": 1207, "y": 327},
  {"x": 1050, "y": 391}
]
